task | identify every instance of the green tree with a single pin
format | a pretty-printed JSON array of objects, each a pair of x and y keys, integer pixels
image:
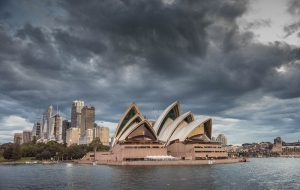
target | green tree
[
  {"x": 95, "y": 144},
  {"x": 76, "y": 151},
  {"x": 17, "y": 153},
  {"x": 29, "y": 149},
  {"x": 46, "y": 155},
  {"x": 53, "y": 147},
  {"x": 34, "y": 140},
  {"x": 40, "y": 147},
  {"x": 7, "y": 154}
]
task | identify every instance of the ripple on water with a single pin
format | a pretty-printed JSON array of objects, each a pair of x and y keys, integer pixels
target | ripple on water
[{"x": 270, "y": 173}]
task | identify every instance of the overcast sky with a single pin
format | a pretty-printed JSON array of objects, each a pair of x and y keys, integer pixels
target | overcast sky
[{"x": 235, "y": 61}]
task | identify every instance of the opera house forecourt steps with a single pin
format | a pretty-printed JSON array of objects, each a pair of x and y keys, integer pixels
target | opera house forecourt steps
[{"x": 173, "y": 139}]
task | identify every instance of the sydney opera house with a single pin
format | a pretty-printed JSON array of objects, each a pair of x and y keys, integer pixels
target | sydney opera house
[{"x": 173, "y": 135}]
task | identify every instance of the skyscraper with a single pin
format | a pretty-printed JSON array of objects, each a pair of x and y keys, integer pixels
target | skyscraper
[
  {"x": 87, "y": 119},
  {"x": 76, "y": 113},
  {"x": 66, "y": 126},
  {"x": 36, "y": 130},
  {"x": 47, "y": 121},
  {"x": 26, "y": 136},
  {"x": 57, "y": 127}
]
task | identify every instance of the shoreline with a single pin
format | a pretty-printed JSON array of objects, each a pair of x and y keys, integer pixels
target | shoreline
[
  {"x": 163, "y": 163},
  {"x": 36, "y": 162}
]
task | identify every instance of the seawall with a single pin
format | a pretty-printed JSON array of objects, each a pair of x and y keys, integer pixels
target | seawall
[{"x": 164, "y": 163}]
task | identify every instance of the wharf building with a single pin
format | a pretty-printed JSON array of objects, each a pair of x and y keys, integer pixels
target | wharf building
[
  {"x": 284, "y": 148},
  {"x": 174, "y": 133}
]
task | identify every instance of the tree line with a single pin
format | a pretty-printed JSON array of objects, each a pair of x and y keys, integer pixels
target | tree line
[{"x": 51, "y": 149}]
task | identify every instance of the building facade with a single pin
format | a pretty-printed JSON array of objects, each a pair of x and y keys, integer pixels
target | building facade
[
  {"x": 87, "y": 119},
  {"x": 72, "y": 136},
  {"x": 18, "y": 138},
  {"x": 47, "y": 122},
  {"x": 277, "y": 147},
  {"x": 26, "y": 136},
  {"x": 221, "y": 138},
  {"x": 103, "y": 134},
  {"x": 66, "y": 125},
  {"x": 87, "y": 138},
  {"x": 76, "y": 113}
]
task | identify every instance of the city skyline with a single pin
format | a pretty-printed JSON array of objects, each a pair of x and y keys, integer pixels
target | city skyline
[{"x": 234, "y": 61}]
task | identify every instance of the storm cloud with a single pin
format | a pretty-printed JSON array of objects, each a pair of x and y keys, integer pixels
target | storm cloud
[{"x": 110, "y": 53}]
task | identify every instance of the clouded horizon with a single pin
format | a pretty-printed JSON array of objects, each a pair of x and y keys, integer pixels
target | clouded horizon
[{"x": 235, "y": 61}]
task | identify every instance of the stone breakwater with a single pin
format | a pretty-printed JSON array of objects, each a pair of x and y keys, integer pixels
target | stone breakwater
[{"x": 166, "y": 163}]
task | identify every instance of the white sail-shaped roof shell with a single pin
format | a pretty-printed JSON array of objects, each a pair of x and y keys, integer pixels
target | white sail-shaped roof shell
[
  {"x": 117, "y": 133},
  {"x": 182, "y": 132},
  {"x": 164, "y": 114},
  {"x": 167, "y": 131},
  {"x": 136, "y": 116},
  {"x": 133, "y": 127}
]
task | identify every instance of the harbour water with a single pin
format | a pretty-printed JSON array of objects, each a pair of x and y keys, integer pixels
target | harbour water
[{"x": 259, "y": 173}]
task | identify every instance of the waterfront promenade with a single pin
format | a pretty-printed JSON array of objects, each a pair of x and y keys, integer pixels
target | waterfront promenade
[{"x": 160, "y": 163}]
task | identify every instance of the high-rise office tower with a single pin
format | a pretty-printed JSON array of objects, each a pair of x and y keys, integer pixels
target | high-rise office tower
[
  {"x": 76, "y": 113},
  {"x": 87, "y": 119},
  {"x": 26, "y": 136},
  {"x": 66, "y": 126},
  {"x": 221, "y": 138},
  {"x": 58, "y": 127},
  {"x": 47, "y": 122},
  {"x": 36, "y": 130}
]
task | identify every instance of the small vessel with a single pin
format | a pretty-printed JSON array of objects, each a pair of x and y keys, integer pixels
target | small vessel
[{"x": 243, "y": 160}]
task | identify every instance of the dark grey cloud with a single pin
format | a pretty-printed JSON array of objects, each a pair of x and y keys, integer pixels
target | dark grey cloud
[
  {"x": 111, "y": 53},
  {"x": 5, "y": 15},
  {"x": 255, "y": 24},
  {"x": 291, "y": 28},
  {"x": 293, "y": 8}
]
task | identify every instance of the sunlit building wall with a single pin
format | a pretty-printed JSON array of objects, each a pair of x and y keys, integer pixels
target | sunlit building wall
[
  {"x": 103, "y": 134},
  {"x": 72, "y": 136}
]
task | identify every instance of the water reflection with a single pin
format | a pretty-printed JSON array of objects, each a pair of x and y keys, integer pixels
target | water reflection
[{"x": 270, "y": 173}]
